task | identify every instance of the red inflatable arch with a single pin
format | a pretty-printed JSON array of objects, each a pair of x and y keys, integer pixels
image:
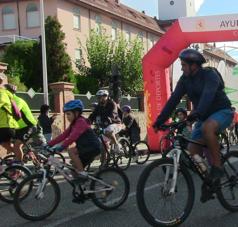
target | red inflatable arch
[{"x": 156, "y": 62}]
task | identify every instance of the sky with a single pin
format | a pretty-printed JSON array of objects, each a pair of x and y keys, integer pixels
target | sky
[{"x": 203, "y": 8}]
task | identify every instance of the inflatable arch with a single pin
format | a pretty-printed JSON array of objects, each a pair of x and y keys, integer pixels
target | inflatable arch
[{"x": 157, "y": 61}]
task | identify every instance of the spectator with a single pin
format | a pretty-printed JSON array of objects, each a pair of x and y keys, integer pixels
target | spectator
[{"x": 46, "y": 122}]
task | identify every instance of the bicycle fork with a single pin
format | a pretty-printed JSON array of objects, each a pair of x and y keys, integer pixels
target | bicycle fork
[
  {"x": 39, "y": 192},
  {"x": 175, "y": 154}
]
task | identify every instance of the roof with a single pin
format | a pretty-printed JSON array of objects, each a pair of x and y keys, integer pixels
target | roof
[
  {"x": 115, "y": 8},
  {"x": 219, "y": 53}
]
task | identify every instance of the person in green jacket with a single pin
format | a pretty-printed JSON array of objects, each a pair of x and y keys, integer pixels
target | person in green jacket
[
  {"x": 7, "y": 122},
  {"x": 26, "y": 125}
]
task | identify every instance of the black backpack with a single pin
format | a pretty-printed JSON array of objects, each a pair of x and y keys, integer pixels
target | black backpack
[{"x": 209, "y": 68}]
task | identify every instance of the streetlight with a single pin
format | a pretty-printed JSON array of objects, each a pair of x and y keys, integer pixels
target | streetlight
[{"x": 44, "y": 62}]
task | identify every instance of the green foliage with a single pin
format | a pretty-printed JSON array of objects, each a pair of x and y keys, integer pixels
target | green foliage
[
  {"x": 102, "y": 53},
  {"x": 23, "y": 58},
  {"x": 58, "y": 61},
  {"x": 16, "y": 81}
]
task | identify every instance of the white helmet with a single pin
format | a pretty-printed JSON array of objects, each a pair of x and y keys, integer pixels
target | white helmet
[{"x": 102, "y": 93}]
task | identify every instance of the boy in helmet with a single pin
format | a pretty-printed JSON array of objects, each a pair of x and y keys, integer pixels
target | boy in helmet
[
  {"x": 106, "y": 115},
  {"x": 211, "y": 107},
  {"x": 87, "y": 145}
]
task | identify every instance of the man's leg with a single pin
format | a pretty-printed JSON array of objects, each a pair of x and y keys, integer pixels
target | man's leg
[
  {"x": 18, "y": 150},
  {"x": 209, "y": 130}
]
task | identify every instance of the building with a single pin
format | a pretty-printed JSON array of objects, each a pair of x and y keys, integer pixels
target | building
[
  {"x": 78, "y": 18},
  {"x": 173, "y": 9}
]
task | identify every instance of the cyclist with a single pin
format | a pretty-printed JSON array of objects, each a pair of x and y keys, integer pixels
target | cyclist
[
  {"x": 212, "y": 108},
  {"x": 46, "y": 122},
  {"x": 106, "y": 115},
  {"x": 79, "y": 132},
  {"x": 26, "y": 125},
  {"x": 7, "y": 122},
  {"x": 181, "y": 115},
  {"x": 132, "y": 129}
]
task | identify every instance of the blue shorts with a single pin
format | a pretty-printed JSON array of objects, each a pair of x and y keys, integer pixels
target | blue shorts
[{"x": 223, "y": 117}]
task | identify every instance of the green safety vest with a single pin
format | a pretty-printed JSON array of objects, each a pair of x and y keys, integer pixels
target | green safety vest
[
  {"x": 6, "y": 117},
  {"x": 27, "y": 116}
]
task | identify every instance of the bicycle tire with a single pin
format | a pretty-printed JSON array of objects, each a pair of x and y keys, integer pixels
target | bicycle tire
[
  {"x": 123, "y": 160},
  {"x": 19, "y": 202},
  {"x": 8, "y": 184},
  {"x": 100, "y": 202},
  {"x": 231, "y": 177},
  {"x": 143, "y": 152},
  {"x": 141, "y": 193}
]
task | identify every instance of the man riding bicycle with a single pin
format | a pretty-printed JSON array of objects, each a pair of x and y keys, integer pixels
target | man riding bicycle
[
  {"x": 106, "y": 115},
  {"x": 211, "y": 106}
]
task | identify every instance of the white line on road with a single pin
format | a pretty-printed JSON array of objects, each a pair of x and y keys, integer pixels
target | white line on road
[{"x": 89, "y": 210}]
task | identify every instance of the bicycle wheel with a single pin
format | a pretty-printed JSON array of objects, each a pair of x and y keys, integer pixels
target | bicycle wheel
[
  {"x": 38, "y": 204},
  {"x": 142, "y": 152},
  {"x": 10, "y": 179},
  {"x": 123, "y": 159},
  {"x": 228, "y": 192},
  {"x": 156, "y": 203},
  {"x": 112, "y": 189}
]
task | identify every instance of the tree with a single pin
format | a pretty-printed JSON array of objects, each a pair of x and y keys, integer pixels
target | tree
[
  {"x": 99, "y": 53},
  {"x": 23, "y": 58},
  {"x": 58, "y": 61}
]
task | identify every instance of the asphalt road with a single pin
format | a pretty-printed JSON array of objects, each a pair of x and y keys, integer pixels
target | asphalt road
[{"x": 87, "y": 215}]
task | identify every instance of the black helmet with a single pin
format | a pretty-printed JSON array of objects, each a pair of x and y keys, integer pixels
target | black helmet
[
  {"x": 181, "y": 110},
  {"x": 192, "y": 56}
]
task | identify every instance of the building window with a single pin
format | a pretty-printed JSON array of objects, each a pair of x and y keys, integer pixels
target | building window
[
  {"x": 9, "y": 20},
  {"x": 98, "y": 21},
  {"x": 33, "y": 15},
  {"x": 128, "y": 36},
  {"x": 78, "y": 55},
  {"x": 76, "y": 18},
  {"x": 141, "y": 36},
  {"x": 114, "y": 30}
]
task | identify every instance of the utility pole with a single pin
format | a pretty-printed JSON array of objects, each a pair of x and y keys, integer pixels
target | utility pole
[{"x": 44, "y": 60}]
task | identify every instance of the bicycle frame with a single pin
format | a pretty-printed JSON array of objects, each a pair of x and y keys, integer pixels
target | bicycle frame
[{"x": 52, "y": 161}]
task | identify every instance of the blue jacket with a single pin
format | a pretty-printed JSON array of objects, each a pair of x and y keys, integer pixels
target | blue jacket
[{"x": 205, "y": 90}]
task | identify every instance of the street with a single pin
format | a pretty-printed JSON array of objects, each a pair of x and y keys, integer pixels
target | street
[{"x": 86, "y": 215}]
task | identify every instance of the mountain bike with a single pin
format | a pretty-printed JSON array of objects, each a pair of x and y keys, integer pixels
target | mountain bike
[
  {"x": 166, "y": 192},
  {"x": 10, "y": 178},
  {"x": 110, "y": 157},
  {"x": 38, "y": 196}
]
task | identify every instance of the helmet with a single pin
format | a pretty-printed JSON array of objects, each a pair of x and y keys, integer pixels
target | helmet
[
  {"x": 73, "y": 105},
  {"x": 10, "y": 87},
  {"x": 94, "y": 104},
  {"x": 192, "y": 56},
  {"x": 126, "y": 108},
  {"x": 102, "y": 93},
  {"x": 182, "y": 110}
]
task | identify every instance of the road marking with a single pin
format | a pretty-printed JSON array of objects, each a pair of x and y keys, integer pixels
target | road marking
[{"x": 90, "y": 210}]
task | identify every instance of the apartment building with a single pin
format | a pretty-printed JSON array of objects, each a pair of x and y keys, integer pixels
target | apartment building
[{"x": 78, "y": 17}]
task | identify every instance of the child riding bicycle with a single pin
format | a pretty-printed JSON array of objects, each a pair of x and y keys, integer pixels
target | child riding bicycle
[{"x": 87, "y": 145}]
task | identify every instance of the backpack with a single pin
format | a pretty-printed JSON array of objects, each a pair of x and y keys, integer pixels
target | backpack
[{"x": 218, "y": 73}]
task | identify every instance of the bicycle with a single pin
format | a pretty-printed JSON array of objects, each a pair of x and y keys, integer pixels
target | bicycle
[
  {"x": 110, "y": 157},
  {"x": 169, "y": 180},
  {"x": 10, "y": 178},
  {"x": 140, "y": 151},
  {"x": 38, "y": 196},
  {"x": 30, "y": 153}
]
